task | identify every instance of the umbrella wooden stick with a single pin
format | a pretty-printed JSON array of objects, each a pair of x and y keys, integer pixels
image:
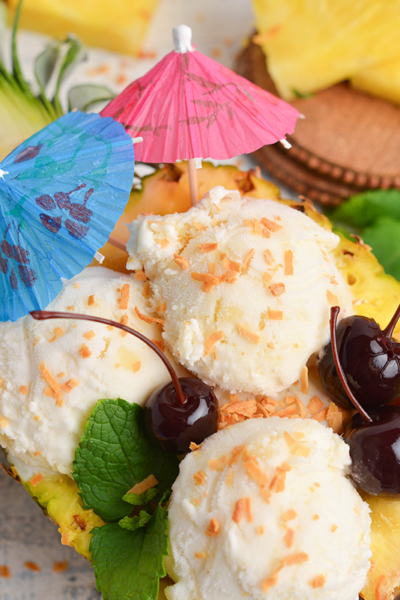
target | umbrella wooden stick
[
  {"x": 193, "y": 183},
  {"x": 114, "y": 241}
]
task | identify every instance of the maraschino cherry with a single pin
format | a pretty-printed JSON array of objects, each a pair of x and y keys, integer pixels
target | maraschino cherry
[
  {"x": 370, "y": 359},
  {"x": 181, "y": 412},
  {"x": 373, "y": 437}
]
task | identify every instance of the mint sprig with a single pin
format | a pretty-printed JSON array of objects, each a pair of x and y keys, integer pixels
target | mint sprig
[
  {"x": 129, "y": 564},
  {"x": 114, "y": 455}
]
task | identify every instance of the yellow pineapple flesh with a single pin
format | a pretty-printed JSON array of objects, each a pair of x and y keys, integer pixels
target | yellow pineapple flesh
[
  {"x": 381, "y": 80},
  {"x": 312, "y": 45},
  {"x": 118, "y": 25}
]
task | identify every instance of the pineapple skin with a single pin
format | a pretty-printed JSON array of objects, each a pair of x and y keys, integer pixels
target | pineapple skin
[
  {"x": 117, "y": 25},
  {"x": 376, "y": 295},
  {"x": 312, "y": 45}
]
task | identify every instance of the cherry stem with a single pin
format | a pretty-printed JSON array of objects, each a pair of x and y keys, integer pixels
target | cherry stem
[
  {"x": 388, "y": 331},
  {"x": 42, "y": 315},
  {"x": 335, "y": 310}
]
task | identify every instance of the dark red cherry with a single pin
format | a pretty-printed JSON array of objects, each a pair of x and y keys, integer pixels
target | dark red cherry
[
  {"x": 181, "y": 412},
  {"x": 176, "y": 425},
  {"x": 375, "y": 450},
  {"x": 370, "y": 359}
]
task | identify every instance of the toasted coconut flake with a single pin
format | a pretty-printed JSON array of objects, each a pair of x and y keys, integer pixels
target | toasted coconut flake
[
  {"x": 23, "y": 389},
  {"x": 5, "y": 571},
  {"x": 289, "y": 515},
  {"x": 320, "y": 415},
  {"x": 140, "y": 276},
  {"x": 258, "y": 228},
  {"x": 36, "y": 480},
  {"x": 60, "y": 566},
  {"x": 136, "y": 366},
  {"x": 246, "y": 333},
  {"x": 37, "y": 418},
  {"x": 333, "y": 528},
  {"x": 209, "y": 247},
  {"x": 242, "y": 509},
  {"x": 315, "y": 405},
  {"x": 277, "y": 289},
  {"x": 270, "y": 225},
  {"x": 230, "y": 265},
  {"x": 201, "y": 554},
  {"x": 213, "y": 339},
  {"x": 89, "y": 335},
  {"x": 124, "y": 297},
  {"x": 260, "y": 530},
  {"x": 213, "y": 528},
  {"x": 110, "y": 327},
  {"x": 270, "y": 581},
  {"x": 199, "y": 477},
  {"x": 315, "y": 517},
  {"x": 229, "y": 477},
  {"x": 288, "y": 411},
  {"x": 332, "y": 299},
  {"x": 91, "y": 300},
  {"x": 146, "y": 290},
  {"x": 254, "y": 472},
  {"x": 304, "y": 380},
  {"x": 278, "y": 481},
  {"x": 267, "y": 278},
  {"x": 289, "y": 439},
  {"x": 58, "y": 332},
  {"x": 71, "y": 308},
  {"x": 148, "y": 319},
  {"x": 198, "y": 226},
  {"x": 32, "y": 566},
  {"x": 269, "y": 257},
  {"x": 163, "y": 243},
  {"x": 218, "y": 464},
  {"x": 181, "y": 261},
  {"x": 162, "y": 308},
  {"x": 334, "y": 416},
  {"x": 84, "y": 351},
  {"x": 193, "y": 446},
  {"x": 212, "y": 268},
  {"x": 247, "y": 408},
  {"x": 289, "y": 538},
  {"x": 247, "y": 259},
  {"x": 275, "y": 315},
  {"x": 318, "y": 581},
  {"x": 3, "y": 422},
  {"x": 229, "y": 277},
  {"x": 301, "y": 450},
  {"x": 205, "y": 277},
  {"x": 249, "y": 223},
  {"x": 235, "y": 454},
  {"x": 70, "y": 385},
  {"x": 144, "y": 486},
  {"x": 55, "y": 386},
  {"x": 288, "y": 262},
  {"x": 294, "y": 559}
]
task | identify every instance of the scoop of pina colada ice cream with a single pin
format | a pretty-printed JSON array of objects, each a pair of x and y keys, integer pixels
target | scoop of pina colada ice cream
[
  {"x": 245, "y": 286},
  {"x": 264, "y": 510},
  {"x": 53, "y": 372}
]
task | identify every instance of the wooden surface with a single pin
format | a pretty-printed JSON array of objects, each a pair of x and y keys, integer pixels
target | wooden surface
[{"x": 348, "y": 142}]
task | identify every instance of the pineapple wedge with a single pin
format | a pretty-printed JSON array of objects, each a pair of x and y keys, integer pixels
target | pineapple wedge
[
  {"x": 312, "y": 45},
  {"x": 118, "y": 25},
  {"x": 380, "y": 80},
  {"x": 375, "y": 295}
]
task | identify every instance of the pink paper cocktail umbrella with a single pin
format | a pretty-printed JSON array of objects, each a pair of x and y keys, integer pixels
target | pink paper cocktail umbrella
[{"x": 190, "y": 107}]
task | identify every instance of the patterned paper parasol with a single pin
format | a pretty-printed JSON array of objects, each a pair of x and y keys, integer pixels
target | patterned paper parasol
[
  {"x": 191, "y": 107},
  {"x": 61, "y": 193}
]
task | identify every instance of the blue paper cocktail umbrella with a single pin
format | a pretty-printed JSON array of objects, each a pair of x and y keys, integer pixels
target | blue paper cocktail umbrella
[{"x": 61, "y": 193}]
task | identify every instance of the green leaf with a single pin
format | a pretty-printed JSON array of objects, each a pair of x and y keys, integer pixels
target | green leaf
[
  {"x": 129, "y": 564},
  {"x": 75, "y": 54},
  {"x": 17, "y": 71},
  {"x": 84, "y": 96},
  {"x": 384, "y": 238},
  {"x": 45, "y": 64},
  {"x": 141, "y": 499},
  {"x": 115, "y": 454},
  {"x": 133, "y": 523},
  {"x": 362, "y": 210},
  {"x": 3, "y": 28}
]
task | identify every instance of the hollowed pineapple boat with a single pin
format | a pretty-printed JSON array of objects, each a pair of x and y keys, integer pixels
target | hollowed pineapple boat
[{"x": 375, "y": 295}]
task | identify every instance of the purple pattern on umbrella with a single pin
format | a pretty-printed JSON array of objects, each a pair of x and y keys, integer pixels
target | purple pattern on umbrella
[
  {"x": 79, "y": 212},
  {"x": 15, "y": 252}
]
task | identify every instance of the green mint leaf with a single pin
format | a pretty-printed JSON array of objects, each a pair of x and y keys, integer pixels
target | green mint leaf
[
  {"x": 133, "y": 523},
  {"x": 129, "y": 564},
  {"x": 141, "y": 499},
  {"x": 115, "y": 454},
  {"x": 363, "y": 210},
  {"x": 383, "y": 237}
]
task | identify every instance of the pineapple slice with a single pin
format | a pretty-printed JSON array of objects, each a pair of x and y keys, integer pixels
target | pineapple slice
[
  {"x": 380, "y": 80},
  {"x": 118, "y": 25},
  {"x": 375, "y": 295},
  {"x": 312, "y": 45}
]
